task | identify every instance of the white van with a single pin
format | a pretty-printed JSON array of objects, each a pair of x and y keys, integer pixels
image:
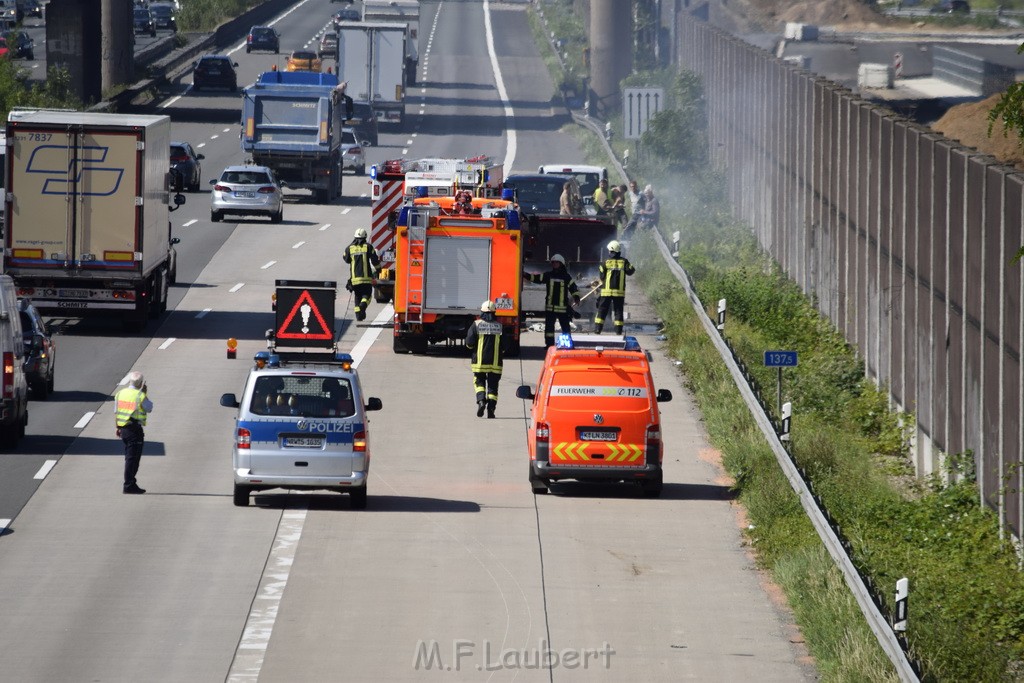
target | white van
[
  {"x": 13, "y": 385},
  {"x": 587, "y": 176}
]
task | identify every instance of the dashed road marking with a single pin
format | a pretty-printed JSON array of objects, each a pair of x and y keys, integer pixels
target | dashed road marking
[
  {"x": 194, "y": 220},
  {"x": 237, "y": 287},
  {"x": 297, "y": 245},
  {"x": 202, "y": 313},
  {"x": 84, "y": 420},
  {"x": 267, "y": 265},
  {"x": 168, "y": 342},
  {"x": 45, "y": 469}
]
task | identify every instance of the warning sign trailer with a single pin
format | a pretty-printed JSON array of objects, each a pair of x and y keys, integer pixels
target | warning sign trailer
[{"x": 304, "y": 316}]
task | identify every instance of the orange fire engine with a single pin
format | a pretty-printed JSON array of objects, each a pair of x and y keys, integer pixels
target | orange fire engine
[{"x": 448, "y": 260}]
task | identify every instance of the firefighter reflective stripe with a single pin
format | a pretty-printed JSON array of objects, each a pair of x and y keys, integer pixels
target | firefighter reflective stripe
[
  {"x": 613, "y": 276},
  {"x": 559, "y": 287},
  {"x": 626, "y": 454},
  {"x": 128, "y": 405},
  {"x": 487, "y": 351},
  {"x": 361, "y": 258}
]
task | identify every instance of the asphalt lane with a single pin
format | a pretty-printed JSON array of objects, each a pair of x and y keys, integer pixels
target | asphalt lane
[{"x": 455, "y": 567}]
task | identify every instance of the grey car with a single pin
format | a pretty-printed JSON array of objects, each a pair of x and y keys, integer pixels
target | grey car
[
  {"x": 247, "y": 191},
  {"x": 352, "y": 157}
]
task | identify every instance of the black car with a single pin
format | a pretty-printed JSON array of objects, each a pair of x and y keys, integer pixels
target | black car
[
  {"x": 144, "y": 21},
  {"x": 40, "y": 351},
  {"x": 163, "y": 16},
  {"x": 185, "y": 161},
  {"x": 214, "y": 71},
  {"x": 29, "y": 8},
  {"x": 347, "y": 14},
  {"x": 263, "y": 38},
  {"x": 952, "y": 7},
  {"x": 540, "y": 193},
  {"x": 364, "y": 123}
]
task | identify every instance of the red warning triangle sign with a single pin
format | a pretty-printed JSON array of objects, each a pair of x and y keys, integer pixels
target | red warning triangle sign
[{"x": 310, "y": 323}]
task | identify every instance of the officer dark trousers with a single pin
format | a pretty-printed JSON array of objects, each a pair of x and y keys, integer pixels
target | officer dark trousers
[
  {"x": 133, "y": 438},
  {"x": 486, "y": 385},
  {"x": 361, "y": 294},
  {"x": 549, "y": 326},
  {"x": 616, "y": 304}
]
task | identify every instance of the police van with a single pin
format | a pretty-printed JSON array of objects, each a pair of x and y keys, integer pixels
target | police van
[
  {"x": 301, "y": 425},
  {"x": 595, "y": 414}
]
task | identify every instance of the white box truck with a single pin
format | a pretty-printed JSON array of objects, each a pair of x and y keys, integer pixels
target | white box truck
[
  {"x": 407, "y": 12},
  {"x": 371, "y": 58},
  {"x": 87, "y": 204}
]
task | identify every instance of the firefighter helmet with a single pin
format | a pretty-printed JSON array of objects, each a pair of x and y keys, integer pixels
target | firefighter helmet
[
  {"x": 487, "y": 307},
  {"x": 360, "y": 233},
  {"x": 614, "y": 246},
  {"x": 559, "y": 258}
]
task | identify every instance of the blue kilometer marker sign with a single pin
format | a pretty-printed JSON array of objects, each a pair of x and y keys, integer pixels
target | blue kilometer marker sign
[{"x": 779, "y": 359}]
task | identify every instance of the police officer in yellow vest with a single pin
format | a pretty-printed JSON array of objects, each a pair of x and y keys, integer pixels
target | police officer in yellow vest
[
  {"x": 363, "y": 262},
  {"x": 484, "y": 342},
  {"x": 131, "y": 407},
  {"x": 613, "y": 274}
]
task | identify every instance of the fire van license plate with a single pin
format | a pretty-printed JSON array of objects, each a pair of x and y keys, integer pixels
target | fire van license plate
[
  {"x": 597, "y": 436},
  {"x": 303, "y": 442},
  {"x": 503, "y": 303}
]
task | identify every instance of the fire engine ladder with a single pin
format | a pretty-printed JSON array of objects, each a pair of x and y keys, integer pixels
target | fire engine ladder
[{"x": 414, "y": 283}]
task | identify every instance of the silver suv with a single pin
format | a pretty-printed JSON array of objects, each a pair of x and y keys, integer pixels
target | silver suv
[{"x": 301, "y": 425}]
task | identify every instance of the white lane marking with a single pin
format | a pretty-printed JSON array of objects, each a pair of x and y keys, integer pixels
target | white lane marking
[
  {"x": 422, "y": 111},
  {"x": 409, "y": 141},
  {"x": 362, "y": 196},
  {"x": 85, "y": 419},
  {"x": 226, "y": 130},
  {"x": 203, "y": 312},
  {"x": 366, "y": 341},
  {"x": 201, "y": 144},
  {"x": 346, "y": 210},
  {"x": 414, "y": 135},
  {"x": 4, "y": 523},
  {"x": 326, "y": 225},
  {"x": 237, "y": 287},
  {"x": 404, "y": 152},
  {"x": 171, "y": 101},
  {"x": 423, "y": 90},
  {"x": 297, "y": 245},
  {"x": 168, "y": 342},
  {"x": 259, "y": 625},
  {"x": 267, "y": 265},
  {"x": 510, "y": 118},
  {"x": 45, "y": 469},
  {"x": 214, "y": 137},
  {"x": 188, "y": 223}
]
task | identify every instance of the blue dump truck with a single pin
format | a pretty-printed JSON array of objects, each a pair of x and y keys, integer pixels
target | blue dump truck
[{"x": 291, "y": 123}]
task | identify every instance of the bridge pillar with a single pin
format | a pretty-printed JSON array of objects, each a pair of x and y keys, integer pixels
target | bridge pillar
[
  {"x": 611, "y": 53},
  {"x": 94, "y": 41}
]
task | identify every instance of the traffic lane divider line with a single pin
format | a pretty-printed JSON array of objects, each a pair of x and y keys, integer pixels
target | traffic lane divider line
[
  {"x": 327, "y": 225},
  {"x": 237, "y": 287},
  {"x": 167, "y": 342},
  {"x": 346, "y": 210},
  {"x": 45, "y": 469},
  {"x": 267, "y": 265},
  {"x": 85, "y": 419},
  {"x": 194, "y": 220},
  {"x": 203, "y": 312},
  {"x": 297, "y": 245},
  {"x": 4, "y": 524}
]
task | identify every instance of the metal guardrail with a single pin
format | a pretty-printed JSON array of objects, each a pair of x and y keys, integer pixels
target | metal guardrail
[{"x": 867, "y": 598}]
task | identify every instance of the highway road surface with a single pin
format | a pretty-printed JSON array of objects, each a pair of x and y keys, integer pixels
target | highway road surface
[{"x": 456, "y": 571}]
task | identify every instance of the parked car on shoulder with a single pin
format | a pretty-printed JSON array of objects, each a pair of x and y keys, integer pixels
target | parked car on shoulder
[
  {"x": 29, "y": 8},
  {"x": 214, "y": 71},
  {"x": 304, "y": 60},
  {"x": 264, "y": 38},
  {"x": 144, "y": 22},
  {"x": 247, "y": 191},
  {"x": 185, "y": 161},
  {"x": 40, "y": 351},
  {"x": 952, "y": 7},
  {"x": 17, "y": 45}
]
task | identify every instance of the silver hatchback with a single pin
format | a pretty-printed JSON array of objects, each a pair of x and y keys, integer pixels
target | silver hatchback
[{"x": 247, "y": 191}]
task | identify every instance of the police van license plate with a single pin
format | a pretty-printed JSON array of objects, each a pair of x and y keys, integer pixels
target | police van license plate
[
  {"x": 597, "y": 436},
  {"x": 303, "y": 441},
  {"x": 503, "y": 303}
]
